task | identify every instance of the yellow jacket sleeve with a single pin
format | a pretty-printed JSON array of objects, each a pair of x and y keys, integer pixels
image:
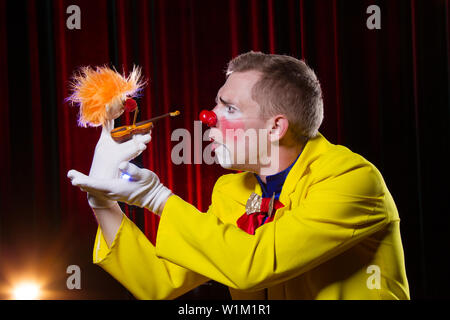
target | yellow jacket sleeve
[
  {"x": 132, "y": 261},
  {"x": 338, "y": 211}
]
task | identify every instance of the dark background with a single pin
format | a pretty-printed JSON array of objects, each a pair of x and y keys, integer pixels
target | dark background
[{"x": 386, "y": 97}]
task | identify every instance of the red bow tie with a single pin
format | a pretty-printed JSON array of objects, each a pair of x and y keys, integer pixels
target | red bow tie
[{"x": 250, "y": 222}]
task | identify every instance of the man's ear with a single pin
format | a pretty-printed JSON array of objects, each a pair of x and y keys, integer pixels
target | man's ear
[{"x": 279, "y": 126}]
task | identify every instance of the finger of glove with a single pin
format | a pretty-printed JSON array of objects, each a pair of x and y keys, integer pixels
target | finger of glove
[
  {"x": 89, "y": 184},
  {"x": 78, "y": 179},
  {"x": 134, "y": 147},
  {"x": 135, "y": 173},
  {"x": 71, "y": 174},
  {"x": 144, "y": 138}
]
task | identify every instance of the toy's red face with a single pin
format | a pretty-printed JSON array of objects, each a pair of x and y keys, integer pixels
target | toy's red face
[
  {"x": 130, "y": 105},
  {"x": 236, "y": 134}
]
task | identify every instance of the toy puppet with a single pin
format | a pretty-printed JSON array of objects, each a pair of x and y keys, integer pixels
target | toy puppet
[{"x": 103, "y": 95}]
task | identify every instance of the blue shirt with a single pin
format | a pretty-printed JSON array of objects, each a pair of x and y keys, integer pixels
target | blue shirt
[{"x": 274, "y": 183}]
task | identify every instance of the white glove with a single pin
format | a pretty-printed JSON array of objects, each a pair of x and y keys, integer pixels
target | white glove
[
  {"x": 139, "y": 187},
  {"x": 107, "y": 157}
]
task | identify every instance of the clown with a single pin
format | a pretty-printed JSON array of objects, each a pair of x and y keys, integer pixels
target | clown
[{"x": 303, "y": 221}]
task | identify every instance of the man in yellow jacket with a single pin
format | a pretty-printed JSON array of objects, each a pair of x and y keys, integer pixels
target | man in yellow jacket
[{"x": 306, "y": 220}]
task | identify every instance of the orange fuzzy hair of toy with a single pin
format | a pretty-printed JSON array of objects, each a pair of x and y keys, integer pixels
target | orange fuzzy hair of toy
[{"x": 94, "y": 89}]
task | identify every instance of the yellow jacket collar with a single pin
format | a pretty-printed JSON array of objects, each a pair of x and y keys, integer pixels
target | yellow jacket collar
[
  {"x": 239, "y": 186},
  {"x": 311, "y": 151}
]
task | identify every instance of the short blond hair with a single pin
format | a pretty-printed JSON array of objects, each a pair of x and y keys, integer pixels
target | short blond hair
[{"x": 287, "y": 86}]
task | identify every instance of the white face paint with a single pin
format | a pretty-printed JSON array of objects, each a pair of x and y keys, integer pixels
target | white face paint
[
  {"x": 223, "y": 156},
  {"x": 229, "y": 112}
]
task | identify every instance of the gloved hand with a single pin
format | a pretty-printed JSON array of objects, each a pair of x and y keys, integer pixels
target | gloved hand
[
  {"x": 107, "y": 157},
  {"x": 139, "y": 187}
]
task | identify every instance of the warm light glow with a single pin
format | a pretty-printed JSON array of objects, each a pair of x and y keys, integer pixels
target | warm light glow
[{"x": 26, "y": 291}]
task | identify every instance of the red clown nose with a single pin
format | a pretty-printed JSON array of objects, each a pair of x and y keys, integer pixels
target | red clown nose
[
  {"x": 130, "y": 105},
  {"x": 208, "y": 117}
]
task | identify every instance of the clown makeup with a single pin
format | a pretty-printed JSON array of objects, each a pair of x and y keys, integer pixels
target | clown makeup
[
  {"x": 231, "y": 118},
  {"x": 229, "y": 112},
  {"x": 240, "y": 127}
]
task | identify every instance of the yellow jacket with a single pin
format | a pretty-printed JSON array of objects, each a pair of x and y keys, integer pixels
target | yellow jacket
[{"x": 337, "y": 237}]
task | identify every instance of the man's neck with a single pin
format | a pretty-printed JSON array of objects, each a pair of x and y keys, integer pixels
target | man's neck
[{"x": 280, "y": 161}]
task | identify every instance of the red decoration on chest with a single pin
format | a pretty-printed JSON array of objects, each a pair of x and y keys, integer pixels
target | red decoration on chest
[{"x": 250, "y": 222}]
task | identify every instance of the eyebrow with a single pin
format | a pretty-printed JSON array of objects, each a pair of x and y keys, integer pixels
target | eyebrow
[{"x": 224, "y": 102}]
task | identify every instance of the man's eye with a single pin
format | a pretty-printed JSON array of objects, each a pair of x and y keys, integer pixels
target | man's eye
[{"x": 230, "y": 109}]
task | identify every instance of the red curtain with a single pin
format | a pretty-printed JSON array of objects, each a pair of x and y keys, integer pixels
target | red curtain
[{"x": 386, "y": 97}]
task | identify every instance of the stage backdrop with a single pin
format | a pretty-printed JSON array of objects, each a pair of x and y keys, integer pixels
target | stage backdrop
[{"x": 386, "y": 95}]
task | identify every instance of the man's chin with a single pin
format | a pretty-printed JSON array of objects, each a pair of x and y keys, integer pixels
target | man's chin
[
  {"x": 223, "y": 157},
  {"x": 233, "y": 166},
  {"x": 224, "y": 163}
]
